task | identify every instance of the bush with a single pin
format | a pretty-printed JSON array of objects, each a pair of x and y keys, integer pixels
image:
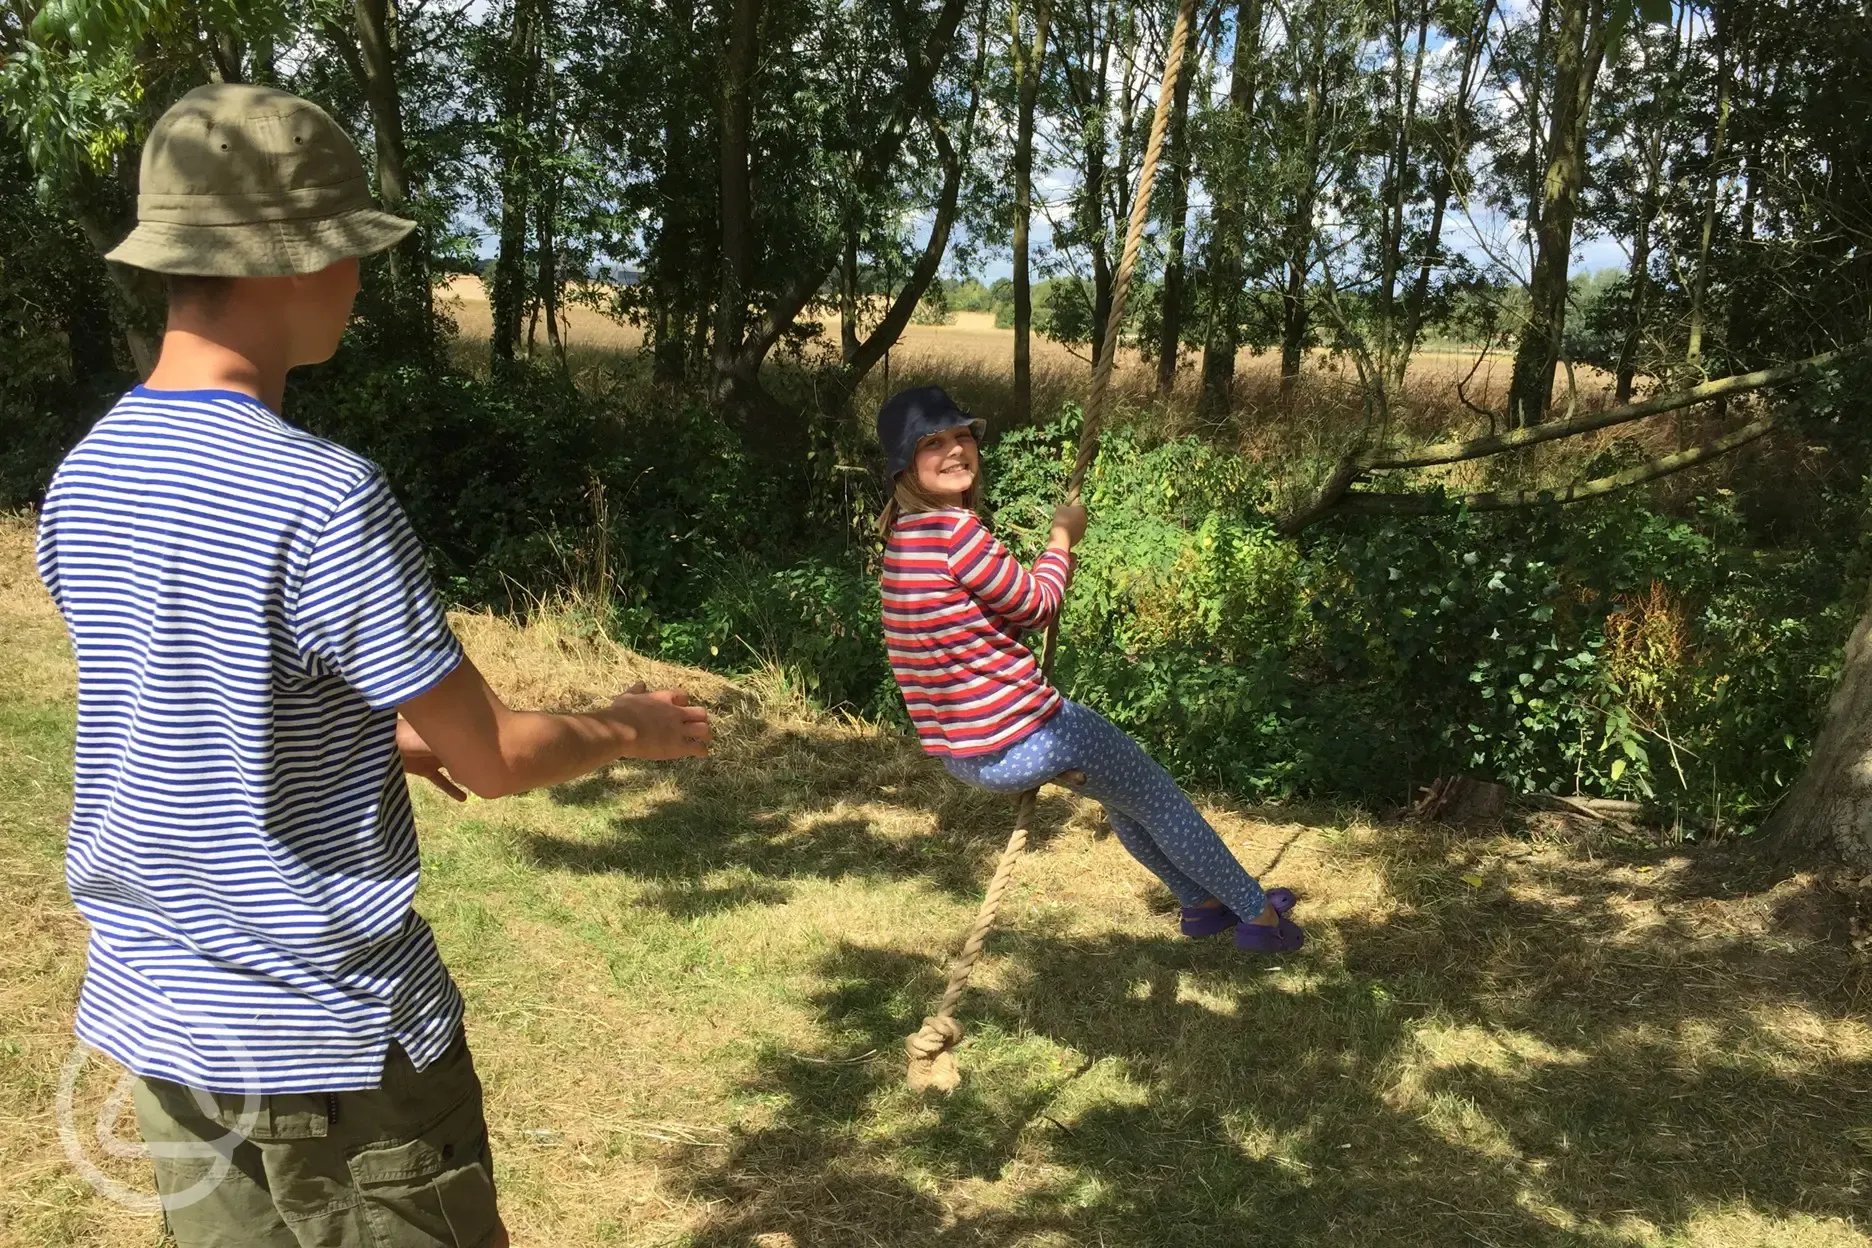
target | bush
[{"x": 1613, "y": 650}]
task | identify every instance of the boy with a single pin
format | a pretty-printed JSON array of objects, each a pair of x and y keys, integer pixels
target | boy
[{"x": 251, "y": 615}]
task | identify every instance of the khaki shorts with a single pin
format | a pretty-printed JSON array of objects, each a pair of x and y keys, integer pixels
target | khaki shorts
[{"x": 405, "y": 1165}]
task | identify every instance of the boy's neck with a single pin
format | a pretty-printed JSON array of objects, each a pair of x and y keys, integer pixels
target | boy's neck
[{"x": 194, "y": 360}]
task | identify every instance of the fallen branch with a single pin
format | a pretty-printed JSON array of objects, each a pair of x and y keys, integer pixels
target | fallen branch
[
  {"x": 1336, "y": 491},
  {"x": 1611, "y": 810},
  {"x": 1493, "y": 444},
  {"x": 1423, "y": 504}
]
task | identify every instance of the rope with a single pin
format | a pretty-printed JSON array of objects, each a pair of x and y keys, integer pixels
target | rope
[{"x": 931, "y": 1050}]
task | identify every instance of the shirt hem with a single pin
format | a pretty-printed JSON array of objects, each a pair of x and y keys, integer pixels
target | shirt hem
[{"x": 1005, "y": 743}]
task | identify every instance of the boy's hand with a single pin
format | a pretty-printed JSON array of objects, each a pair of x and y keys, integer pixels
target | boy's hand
[
  {"x": 666, "y": 726},
  {"x": 1069, "y": 525},
  {"x": 420, "y": 760}
]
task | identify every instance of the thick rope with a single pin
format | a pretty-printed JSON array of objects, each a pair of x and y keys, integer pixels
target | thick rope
[{"x": 931, "y": 1050}]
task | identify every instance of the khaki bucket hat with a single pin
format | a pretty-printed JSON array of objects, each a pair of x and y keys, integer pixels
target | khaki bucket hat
[{"x": 248, "y": 181}]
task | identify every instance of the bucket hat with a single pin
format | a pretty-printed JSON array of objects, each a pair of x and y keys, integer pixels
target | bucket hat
[
  {"x": 248, "y": 181},
  {"x": 909, "y": 416}
]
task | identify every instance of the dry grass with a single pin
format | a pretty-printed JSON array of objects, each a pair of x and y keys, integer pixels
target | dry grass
[
  {"x": 974, "y": 359},
  {"x": 688, "y": 985}
]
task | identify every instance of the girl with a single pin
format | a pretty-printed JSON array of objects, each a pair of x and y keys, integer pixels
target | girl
[{"x": 955, "y": 606}]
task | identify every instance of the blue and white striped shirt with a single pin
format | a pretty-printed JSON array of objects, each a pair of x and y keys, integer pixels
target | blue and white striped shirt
[{"x": 248, "y": 605}]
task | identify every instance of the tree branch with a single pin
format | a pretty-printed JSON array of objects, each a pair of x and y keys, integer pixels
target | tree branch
[
  {"x": 1513, "y": 439},
  {"x": 1433, "y": 504},
  {"x": 881, "y": 339},
  {"x": 873, "y": 166},
  {"x": 347, "y": 49}
]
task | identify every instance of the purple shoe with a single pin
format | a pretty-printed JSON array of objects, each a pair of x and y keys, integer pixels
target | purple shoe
[
  {"x": 1284, "y": 937},
  {"x": 1200, "y": 921}
]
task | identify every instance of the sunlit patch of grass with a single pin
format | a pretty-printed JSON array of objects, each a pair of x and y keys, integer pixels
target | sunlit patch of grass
[{"x": 688, "y": 986}]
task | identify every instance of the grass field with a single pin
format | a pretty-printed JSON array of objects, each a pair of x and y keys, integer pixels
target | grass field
[
  {"x": 1297, "y": 437},
  {"x": 974, "y": 359},
  {"x": 688, "y": 985}
]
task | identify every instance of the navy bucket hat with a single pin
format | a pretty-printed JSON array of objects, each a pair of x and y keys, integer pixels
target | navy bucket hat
[{"x": 909, "y": 416}]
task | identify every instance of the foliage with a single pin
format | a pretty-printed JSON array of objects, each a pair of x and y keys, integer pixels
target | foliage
[{"x": 1614, "y": 651}]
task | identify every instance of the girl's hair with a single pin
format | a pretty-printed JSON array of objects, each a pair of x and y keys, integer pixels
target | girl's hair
[{"x": 907, "y": 499}]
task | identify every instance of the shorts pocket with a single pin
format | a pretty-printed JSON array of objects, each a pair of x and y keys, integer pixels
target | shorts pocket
[{"x": 435, "y": 1190}]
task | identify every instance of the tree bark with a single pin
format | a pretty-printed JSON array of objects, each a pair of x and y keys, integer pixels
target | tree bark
[
  {"x": 680, "y": 238},
  {"x": 1093, "y": 213},
  {"x": 1699, "y": 287},
  {"x": 1027, "y": 72},
  {"x": 1294, "y": 309},
  {"x": 376, "y": 57},
  {"x": 737, "y": 199},
  {"x": 1170, "y": 327},
  {"x": 519, "y": 74},
  {"x": 1829, "y": 809},
  {"x": 1578, "y": 49},
  {"x": 1222, "y": 336}
]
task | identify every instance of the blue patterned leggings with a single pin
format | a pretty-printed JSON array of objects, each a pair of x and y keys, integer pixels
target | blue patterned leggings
[{"x": 1153, "y": 819}]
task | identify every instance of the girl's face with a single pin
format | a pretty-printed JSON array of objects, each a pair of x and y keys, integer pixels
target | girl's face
[{"x": 947, "y": 464}]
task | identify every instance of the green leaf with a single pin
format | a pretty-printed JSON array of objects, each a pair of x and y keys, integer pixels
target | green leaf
[{"x": 1618, "y": 769}]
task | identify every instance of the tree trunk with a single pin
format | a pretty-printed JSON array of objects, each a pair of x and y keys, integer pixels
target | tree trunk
[
  {"x": 547, "y": 226},
  {"x": 1578, "y": 49},
  {"x": 864, "y": 356},
  {"x": 1699, "y": 286},
  {"x": 848, "y": 300},
  {"x": 1170, "y": 327},
  {"x": 1829, "y": 809},
  {"x": 409, "y": 268},
  {"x": 1743, "y": 299},
  {"x": 1027, "y": 71},
  {"x": 1095, "y": 175},
  {"x": 1453, "y": 170},
  {"x": 1650, "y": 204},
  {"x": 520, "y": 69},
  {"x": 1640, "y": 282},
  {"x": 737, "y": 201},
  {"x": 1393, "y": 353},
  {"x": 1222, "y": 337},
  {"x": 1294, "y": 311},
  {"x": 674, "y": 247}
]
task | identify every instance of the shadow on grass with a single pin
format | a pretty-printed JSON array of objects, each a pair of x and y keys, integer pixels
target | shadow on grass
[
  {"x": 781, "y": 810},
  {"x": 1544, "y": 1060}
]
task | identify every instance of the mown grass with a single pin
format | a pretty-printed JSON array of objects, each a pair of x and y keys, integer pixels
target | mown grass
[{"x": 688, "y": 986}]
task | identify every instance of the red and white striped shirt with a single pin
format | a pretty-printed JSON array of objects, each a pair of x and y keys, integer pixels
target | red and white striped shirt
[{"x": 955, "y": 606}]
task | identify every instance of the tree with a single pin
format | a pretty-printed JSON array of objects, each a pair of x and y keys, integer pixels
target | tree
[
  {"x": 520, "y": 72},
  {"x": 1579, "y": 34},
  {"x": 1176, "y": 215},
  {"x": 1029, "y": 65},
  {"x": 1228, "y": 171}
]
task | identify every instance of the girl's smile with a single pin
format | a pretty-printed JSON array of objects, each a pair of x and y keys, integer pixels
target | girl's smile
[{"x": 947, "y": 464}]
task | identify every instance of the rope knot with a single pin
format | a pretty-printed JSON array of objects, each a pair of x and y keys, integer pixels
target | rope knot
[{"x": 932, "y": 1054}]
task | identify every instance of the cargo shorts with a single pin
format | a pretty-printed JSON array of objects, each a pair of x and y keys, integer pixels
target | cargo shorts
[{"x": 404, "y": 1165}]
